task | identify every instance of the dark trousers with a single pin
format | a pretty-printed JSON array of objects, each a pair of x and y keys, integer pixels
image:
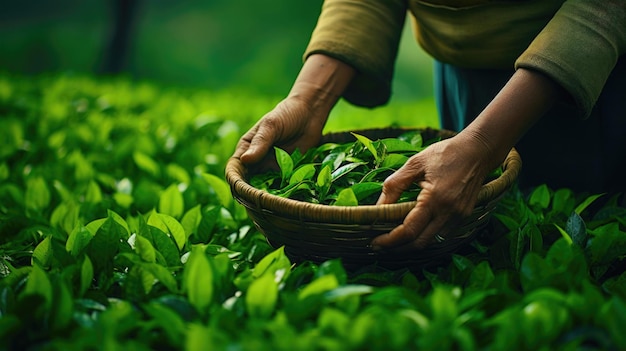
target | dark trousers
[{"x": 561, "y": 150}]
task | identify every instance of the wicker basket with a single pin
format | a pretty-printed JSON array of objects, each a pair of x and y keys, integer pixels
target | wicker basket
[{"x": 318, "y": 233}]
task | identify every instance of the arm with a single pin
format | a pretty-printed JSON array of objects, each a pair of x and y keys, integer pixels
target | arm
[
  {"x": 298, "y": 120},
  {"x": 579, "y": 47},
  {"x": 574, "y": 53},
  {"x": 451, "y": 172},
  {"x": 339, "y": 61}
]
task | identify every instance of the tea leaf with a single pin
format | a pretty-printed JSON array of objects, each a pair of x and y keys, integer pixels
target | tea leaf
[
  {"x": 66, "y": 216},
  {"x": 106, "y": 243},
  {"x": 170, "y": 322},
  {"x": 62, "y": 309},
  {"x": 37, "y": 196},
  {"x": 564, "y": 234},
  {"x": 120, "y": 221},
  {"x": 304, "y": 172},
  {"x": 43, "y": 254},
  {"x": 38, "y": 283},
  {"x": 363, "y": 190},
  {"x": 86, "y": 275},
  {"x": 144, "y": 249},
  {"x": 414, "y": 138},
  {"x": 563, "y": 201},
  {"x": 171, "y": 202},
  {"x": 334, "y": 159},
  {"x": 394, "y": 161},
  {"x": 540, "y": 197},
  {"x": 588, "y": 201},
  {"x": 535, "y": 236},
  {"x": 191, "y": 220},
  {"x": 208, "y": 221},
  {"x": 284, "y": 162},
  {"x": 146, "y": 163},
  {"x": 163, "y": 275},
  {"x": 79, "y": 239},
  {"x": 198, "y": 279},
  {"x": 369, "y": 145},
  {"x": 481, "y": 277},
  {"x": 166, "y": 248},
  {"x": 221, "y": 189},
  {"x": 345, "y": 169},
  {"x": 177, "y": 173},
  {"x": 346, "y": 197},
  {"x": 262, "y": 296},
  {"x": 575, "y": 227},
  {"x": 396, "y": 145},
  {"x": 323, "y": 182},
  {"x": 169, "y": 225},
  {"x": 319, "y": 286},
  {"x": 272, "y": 262},
  {"x": 93, "y": 194}
]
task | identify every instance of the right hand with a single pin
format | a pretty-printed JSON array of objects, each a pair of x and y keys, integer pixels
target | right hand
[
  {"x": 292, "y": 124},
  {"x": 297, "y": 121}
]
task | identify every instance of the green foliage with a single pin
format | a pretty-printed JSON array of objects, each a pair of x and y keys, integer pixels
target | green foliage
[
  {"x": 346, "y": 174},
  {"x": 102, "y": 249}
]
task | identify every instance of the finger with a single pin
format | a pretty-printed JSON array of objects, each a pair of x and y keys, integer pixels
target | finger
[
  {"x": 399, "y": 181},
  {"x": 424, "y": 239},
  {"x": 242, "y": 145},
  {"x": 261, "y": 142},
  {"x": 414, "y": 223}
]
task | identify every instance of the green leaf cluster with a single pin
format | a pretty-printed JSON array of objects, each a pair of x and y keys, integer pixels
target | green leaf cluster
[
  {"x": 342, "y": 174},
  {"x": 113, "y": 237}
]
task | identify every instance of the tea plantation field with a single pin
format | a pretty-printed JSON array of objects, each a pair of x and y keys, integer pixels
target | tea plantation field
[{"x": 119, "y": 232}]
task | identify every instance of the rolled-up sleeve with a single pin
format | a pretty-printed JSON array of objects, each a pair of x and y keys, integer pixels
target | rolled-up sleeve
[
  {"x": 579, "y": 48},
  {"x": 364, "y": 34}
]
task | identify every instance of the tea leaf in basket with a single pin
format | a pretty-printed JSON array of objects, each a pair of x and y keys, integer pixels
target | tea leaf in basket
[
  {"x": 296, "y": 157},
  {"x": 284, "y": 162},
  {"x": 414, "y": 138},
  {"x": 302, "y": 173},
  {"x": 290, "y": 190},
  {"x": 366, "y": 189},
  {"x": 323, "y": 182},
  {"x": 334, "y": 159},
  {"x": 350, "y": 165},
  {"x": 346, "y": 197},
  {"x": 394, "y": 161},
  {"x": 393, "y": 145},
  {"x": 377, "y": 175},
  {"x": 345, "y": 169},
  {"x": 369, "y": 145}
]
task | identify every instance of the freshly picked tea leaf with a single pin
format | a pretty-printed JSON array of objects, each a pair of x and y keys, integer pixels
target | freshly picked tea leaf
[{"x": 344, "y": 174}]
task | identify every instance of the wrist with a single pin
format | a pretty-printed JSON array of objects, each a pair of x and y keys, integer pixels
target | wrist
[
  {"x": 521, "y": 102},
  {"x": 321, "y": 82}
]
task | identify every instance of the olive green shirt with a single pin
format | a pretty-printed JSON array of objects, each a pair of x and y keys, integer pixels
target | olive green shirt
[{"x": 575, "y": 42}]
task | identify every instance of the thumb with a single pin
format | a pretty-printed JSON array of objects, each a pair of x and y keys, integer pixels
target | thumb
[{"x": 260, "y": 144}]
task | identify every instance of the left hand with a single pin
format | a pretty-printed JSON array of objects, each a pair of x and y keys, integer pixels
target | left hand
[{"x": 450, "y": 173}]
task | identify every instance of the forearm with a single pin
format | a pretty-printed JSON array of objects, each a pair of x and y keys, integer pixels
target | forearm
[
  {"x": 521, "y": 103},
  {"x": 321, "y": 82}
]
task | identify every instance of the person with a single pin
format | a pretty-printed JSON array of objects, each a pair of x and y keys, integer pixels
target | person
[{"x": 548, "y": 77}]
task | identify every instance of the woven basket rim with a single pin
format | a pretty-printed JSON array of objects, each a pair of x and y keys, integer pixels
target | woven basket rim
[{"x": 304, "y": 211}]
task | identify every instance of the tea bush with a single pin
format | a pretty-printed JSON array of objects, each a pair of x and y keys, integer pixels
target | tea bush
[{"x": 118, "y": 231}]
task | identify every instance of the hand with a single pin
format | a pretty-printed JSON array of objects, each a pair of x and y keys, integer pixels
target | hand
[
  {"x": 450, "y": 173},
  {"x": 292, "y": 124},
  {"x": 298, "y": 120}
]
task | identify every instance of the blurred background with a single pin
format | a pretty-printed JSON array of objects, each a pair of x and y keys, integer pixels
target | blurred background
[{"x": 256, "y": 46}]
